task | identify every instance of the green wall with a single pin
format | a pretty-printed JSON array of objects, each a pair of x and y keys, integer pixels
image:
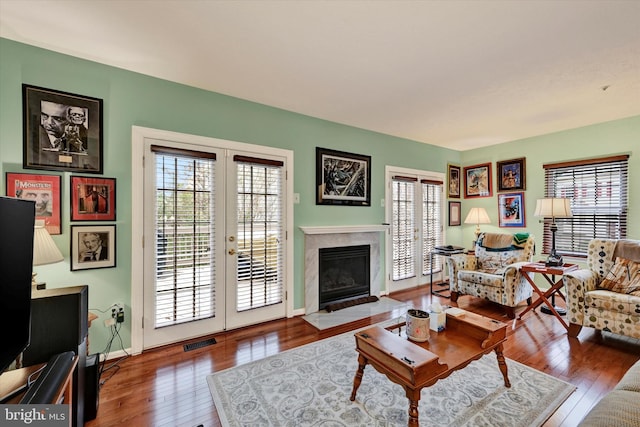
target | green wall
[{"x": 134, "y": 99}]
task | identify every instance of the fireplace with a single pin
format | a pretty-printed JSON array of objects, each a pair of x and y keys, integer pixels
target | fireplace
[{"x": 344, "y": 273}]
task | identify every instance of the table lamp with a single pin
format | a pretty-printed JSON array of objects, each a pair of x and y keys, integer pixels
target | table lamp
[
  {"x": 554, "y": 208},
  {"x": 45, "y": 250},
  {"x": 477, "y": 216}
]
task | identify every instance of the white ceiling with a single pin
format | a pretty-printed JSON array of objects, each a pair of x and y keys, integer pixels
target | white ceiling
[{"x": 458, "y": 74}]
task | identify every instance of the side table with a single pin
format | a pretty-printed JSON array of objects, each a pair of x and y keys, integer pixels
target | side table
[
  {"x": 555, "y": 288},
  {"x": 445, "y": 253}
]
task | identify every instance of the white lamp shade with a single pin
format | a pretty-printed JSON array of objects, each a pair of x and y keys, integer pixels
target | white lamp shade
[
  {"x": 553, "y": 207},
  {"x": 45, "y": 250},
  {"x": 477, "y": 216}
]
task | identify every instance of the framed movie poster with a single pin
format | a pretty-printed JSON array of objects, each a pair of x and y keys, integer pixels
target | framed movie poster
[
  {"x": 454, "y": 213},
  {"x": 453, "y": 189},
  {"x": 93, "y": 199},
  {"x": 477, "y": 181},
  {"x": 511, "y": 210},
  {"x": 342, "y": 178},
  {"x": 61, "y": 131},
  {"x": 511, "y": 174},
  {"x": 44, "y": 190},
  {"x": 93, "y": 246}
]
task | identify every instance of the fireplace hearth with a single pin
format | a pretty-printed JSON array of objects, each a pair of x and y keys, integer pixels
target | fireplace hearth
[{"x": 344, "y": 273}]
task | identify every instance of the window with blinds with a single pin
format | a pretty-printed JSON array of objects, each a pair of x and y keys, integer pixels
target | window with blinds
[
  {"x": 184, "y": 236},
  {"x": 260, "y": 233},
  {"x": 403, "y": 227},
  {"x": 431, "y": 223},
  {"x": 598, "y": 192}
]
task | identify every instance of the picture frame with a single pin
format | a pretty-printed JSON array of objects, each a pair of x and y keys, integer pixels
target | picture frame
[
  {"x": 477, "y": 181},
  {"x": 511, "y": 174},
  {"x": 454, "y": 214},
  {"x": 93, "y": 246},
  {"x": 61, "y": 131},
  {"x": 93, "y": 199},
  {"x": 44, "y": 190},
  {"x": 342, "y": 178},
  {"x": 453, "y": 187},
  {"x": 511, "y": 211}
]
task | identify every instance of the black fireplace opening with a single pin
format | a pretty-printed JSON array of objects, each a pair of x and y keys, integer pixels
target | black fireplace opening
[{"x": 344, "y": 273}]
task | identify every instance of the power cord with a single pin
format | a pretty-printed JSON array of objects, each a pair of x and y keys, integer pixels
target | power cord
[{"x": 113, "y": 366}]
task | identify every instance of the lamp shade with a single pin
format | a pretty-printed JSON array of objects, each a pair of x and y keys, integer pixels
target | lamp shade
[
  {"x": 477, "y": 216},
  {"x": 553, "y": 207},
  {"x": 45, "y": 250}
]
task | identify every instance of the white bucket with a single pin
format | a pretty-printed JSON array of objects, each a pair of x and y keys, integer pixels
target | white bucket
[{"x": 417, "y": 325}]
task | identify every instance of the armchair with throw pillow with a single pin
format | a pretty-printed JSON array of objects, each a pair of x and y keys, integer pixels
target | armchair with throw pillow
[
  {"x": 493, "y": 272},
  {"x": 606, "y": 295}
]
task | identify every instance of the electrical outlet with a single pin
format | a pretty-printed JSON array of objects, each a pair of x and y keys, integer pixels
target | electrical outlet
[
  {"x": 120, "y": 316},
  {"x": 109, "y": 322}
]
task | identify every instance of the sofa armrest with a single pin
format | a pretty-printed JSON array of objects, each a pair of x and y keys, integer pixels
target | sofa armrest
[
  {"x": 516, "y": 286},
  {"x": 459, "y": 262},
  {"x": 578, "y": 283}
]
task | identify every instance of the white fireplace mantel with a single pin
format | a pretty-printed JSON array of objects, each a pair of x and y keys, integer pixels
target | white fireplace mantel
[{"x": 336, "y": 229}]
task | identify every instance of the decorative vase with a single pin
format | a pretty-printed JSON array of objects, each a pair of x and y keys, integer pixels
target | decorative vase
[{"x": 417, "y": 325}]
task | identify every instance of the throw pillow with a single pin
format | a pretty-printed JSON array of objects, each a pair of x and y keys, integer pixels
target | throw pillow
[{"x": 624, "y": 277}]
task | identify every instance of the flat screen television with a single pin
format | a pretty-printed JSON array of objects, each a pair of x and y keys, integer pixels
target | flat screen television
[{"x": 17, "y": 218}]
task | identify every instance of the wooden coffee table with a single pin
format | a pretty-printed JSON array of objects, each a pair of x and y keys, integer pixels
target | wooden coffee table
[{"x": 417, "y": 365}]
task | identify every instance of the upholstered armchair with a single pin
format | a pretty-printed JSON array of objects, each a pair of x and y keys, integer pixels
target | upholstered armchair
[
  {"x": 493, "y": 271},
  {"x": 591, "y": 304}
]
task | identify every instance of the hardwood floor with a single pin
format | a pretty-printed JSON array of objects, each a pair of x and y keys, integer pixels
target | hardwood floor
[{"x": 167, "y": 386}]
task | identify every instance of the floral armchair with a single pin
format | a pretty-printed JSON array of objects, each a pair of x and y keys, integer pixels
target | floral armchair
[
  {"x": 493, "y": 272},
  {"x": 591, "y": 304}
]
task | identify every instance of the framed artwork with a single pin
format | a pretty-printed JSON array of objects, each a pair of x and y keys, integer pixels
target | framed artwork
[
  {"x": 44, "y": 190},
  {"x": 342, "y": 178},
  {"x": 93, "y": 246},
  {"x": 454, "y": 213},
  {"x": 93, "y": 199},
  {"x": 61, "y": 131},
  {"x": 477, "y": 181},
  {"x": 511, "y": 174},
  {"x": 511, "y": 210},
  {"x": 453, "y": 189}
]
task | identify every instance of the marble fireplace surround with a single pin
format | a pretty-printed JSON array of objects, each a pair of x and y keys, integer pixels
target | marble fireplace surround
[{"x": 317, "y": 237}]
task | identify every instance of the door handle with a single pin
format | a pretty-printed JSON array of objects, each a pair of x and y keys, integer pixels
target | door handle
[{"x": 232, "y": 251}]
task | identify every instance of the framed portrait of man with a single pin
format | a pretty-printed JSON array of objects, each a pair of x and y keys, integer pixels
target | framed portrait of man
[
  {"x": 93, "y": 246},
  {"x": 44, "y": 190},
  {"x": 61, "y": 131}
]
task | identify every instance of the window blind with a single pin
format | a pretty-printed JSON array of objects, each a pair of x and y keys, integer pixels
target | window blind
[
  {"x": 431, "y": 223},
  {"x": 598, "y": 190},
  {"x": 184, "y": 236},
  {"x": 403, "y": 227},
  {"x": 260, "y": 233}
]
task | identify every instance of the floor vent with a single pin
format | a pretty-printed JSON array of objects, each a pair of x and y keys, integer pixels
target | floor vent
[{"x": 199, "y": 344}]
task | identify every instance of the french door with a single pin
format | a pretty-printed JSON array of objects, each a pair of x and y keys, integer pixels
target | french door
[
  {"x": 214, "y": 239},
  {"x": 414, "y": 212}
]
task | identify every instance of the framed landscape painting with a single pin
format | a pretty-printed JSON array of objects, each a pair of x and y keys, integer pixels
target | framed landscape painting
[
  {"x": 477, "y": 181},
  {"x": 44, "y": 190},
  {"x": 342, "y": 178}
]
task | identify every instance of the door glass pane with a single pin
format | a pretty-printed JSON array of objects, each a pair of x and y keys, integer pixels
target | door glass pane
[
  {"x": 431, "y": 225},
  {"x": 184, "y": 239},
  {"x": 403, "y": 229},
  {"x": 260, "y": 236}
]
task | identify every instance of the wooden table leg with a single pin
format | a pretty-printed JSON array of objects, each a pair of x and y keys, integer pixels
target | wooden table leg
[
  {"x": 502, "y": 365},
  {"x": 414, "y": 398},
  {"x": 362, "y": 362}
]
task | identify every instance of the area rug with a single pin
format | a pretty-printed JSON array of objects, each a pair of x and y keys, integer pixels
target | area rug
[
  {"x": 324, "y": 320},
  {"x": 311, "y": 385}
]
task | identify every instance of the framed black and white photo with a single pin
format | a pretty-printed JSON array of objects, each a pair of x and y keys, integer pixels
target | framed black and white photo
[
  {"x": 342, "y": 178},
  {"x": 93, "y": 246},
  {"x": 61, "y": 131}
]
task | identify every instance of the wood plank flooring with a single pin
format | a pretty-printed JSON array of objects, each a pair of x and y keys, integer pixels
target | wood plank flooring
[{"x": 167, "y": 386}]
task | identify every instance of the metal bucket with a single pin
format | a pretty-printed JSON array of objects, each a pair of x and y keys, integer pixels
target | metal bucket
[{"x": 417, "y": 325}]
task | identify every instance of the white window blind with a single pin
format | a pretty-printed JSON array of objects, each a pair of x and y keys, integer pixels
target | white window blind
[
  {"x": 403, "y": 227},
  {"x": 184, "y": 235},
  {"x": 431, "y": 223},
  {"x": 599, "y": 202},
  {"x": 260, "y": 233}
]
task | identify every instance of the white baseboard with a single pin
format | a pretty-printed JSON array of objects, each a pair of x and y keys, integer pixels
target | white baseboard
[{"x": 116, "y": 354}]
